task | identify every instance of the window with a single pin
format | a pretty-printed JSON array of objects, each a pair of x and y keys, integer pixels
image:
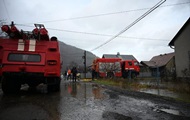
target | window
[
  {"x": 136, "y": 63},
  {"x": 24, "y": 57},
  {"x": 130, "y": 63}
]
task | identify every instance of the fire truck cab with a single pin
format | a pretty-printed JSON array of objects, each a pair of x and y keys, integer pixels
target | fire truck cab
[
  {"x": 29, "y": 58},
  {"x": 130, "y": 68}
]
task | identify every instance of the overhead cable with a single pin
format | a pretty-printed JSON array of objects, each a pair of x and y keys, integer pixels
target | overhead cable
[
  {"x": 133, "y": 23},
  {"x": 104, "y": 14},
  {"x": 95, "y": 34},
  {"x": 6, "y": 11}
]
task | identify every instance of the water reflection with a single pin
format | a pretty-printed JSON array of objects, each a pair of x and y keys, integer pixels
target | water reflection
[
  {"x": 167, "y": 93},
  {"x": 163, "y": 89},
  {"x": 31, "y": 103},
  {"x": 72, "y": 89},
  {"x": 96, "y": 91},
  {"x": 80, "y": 100},
  {"x": 83, "y": 90}
]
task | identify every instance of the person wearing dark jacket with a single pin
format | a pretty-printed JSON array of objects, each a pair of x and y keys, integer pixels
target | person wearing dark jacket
[{"x": 74, "y": 72}]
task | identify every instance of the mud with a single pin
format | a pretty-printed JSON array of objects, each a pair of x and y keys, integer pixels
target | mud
[
  {"x": 89, "y": 101},
  {"x": 24, "y": 112},
  {"x": 114, "y": 116}
]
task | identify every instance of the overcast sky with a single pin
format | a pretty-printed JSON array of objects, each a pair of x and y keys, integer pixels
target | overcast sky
[{"x": 87, "y": 24}]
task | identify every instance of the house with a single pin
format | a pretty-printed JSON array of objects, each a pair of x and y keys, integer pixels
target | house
[
  {"x": 163, "y": 64},
  {"x": 123, "y": 57},
  {"x": 181, "y": 44}
]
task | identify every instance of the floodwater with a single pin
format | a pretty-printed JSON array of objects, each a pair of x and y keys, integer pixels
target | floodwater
[
  {"x": 84, "y": 101},
  {"x": 75, "y": 100},
  {"x": 160, "y": 89},
  {"x": 167, "y": 93}
]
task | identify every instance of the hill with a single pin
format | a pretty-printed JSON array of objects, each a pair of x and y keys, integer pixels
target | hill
[{"x": 73, "y": 56}]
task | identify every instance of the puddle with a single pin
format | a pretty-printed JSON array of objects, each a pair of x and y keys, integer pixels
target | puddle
[
  {"x": 114, "y": 116},
  {"x": 170, "y": 111},
  {"x": 167, "y": 93},
  {"x": 86, "y": 90},
  {"x": 161, "y": 92}
]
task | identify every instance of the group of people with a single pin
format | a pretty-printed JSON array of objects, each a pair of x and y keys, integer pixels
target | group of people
[{"x": 71, "y": 74}]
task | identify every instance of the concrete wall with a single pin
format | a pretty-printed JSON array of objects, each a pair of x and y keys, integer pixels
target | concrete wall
[{"x": 182, "y": 52}]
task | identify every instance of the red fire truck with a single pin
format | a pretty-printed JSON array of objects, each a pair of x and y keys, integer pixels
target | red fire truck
[
  {"x": 130, "y": 68},
  {"x": 29, "y": 58},
  {"x": 115, "y": 67},
  {"x": 106, "y": 67}
]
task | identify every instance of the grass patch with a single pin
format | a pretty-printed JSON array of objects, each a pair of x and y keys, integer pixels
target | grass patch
[
  {"x": 123, "y": 83},
  {"x": 135, "y": 85},
  {"x": 180, "y": 88},
  {"x": 107, "y": 82}
]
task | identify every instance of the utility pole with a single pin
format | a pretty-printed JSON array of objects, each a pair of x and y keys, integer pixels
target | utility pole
[{"x": 84, "y": 57}]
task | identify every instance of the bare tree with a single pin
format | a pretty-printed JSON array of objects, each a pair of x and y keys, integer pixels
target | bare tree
[{"x": 110, "y": 68}]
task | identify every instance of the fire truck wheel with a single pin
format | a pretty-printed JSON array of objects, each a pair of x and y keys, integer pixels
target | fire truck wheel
[
  {"x": 10, "y": 85},
  {"x": 110, "y": 75},
  {"x": 133, "y": 75},
  {"x": 54, "y": 87},
  {"x": 124, "y": 74}
]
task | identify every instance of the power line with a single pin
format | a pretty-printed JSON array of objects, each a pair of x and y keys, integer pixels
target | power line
[
  {"x": 98, "y": 34},
  {"x": 105, "y": 14},
  {"x": 133, "y": 23},
  {"x": 6, "y": 11},
  {"x": 95, "y": 34}
]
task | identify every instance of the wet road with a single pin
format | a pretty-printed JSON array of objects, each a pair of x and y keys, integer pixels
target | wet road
[{"x": 87, "y": 101}]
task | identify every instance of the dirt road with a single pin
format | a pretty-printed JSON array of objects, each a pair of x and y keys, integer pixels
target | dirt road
[{"x": 89, "y": 101}]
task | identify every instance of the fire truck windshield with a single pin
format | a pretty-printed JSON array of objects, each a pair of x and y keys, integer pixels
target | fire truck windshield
[{"x": 24, "y": 57}]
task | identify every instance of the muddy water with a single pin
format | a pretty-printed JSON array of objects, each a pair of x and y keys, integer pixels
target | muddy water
[
  {"x": 75, "y": 100},
  {"x": 167, "y": 93},
  {"x": 163, "y": 91},
  {"x": 81, "y": 101},
  {"x": 84, "y": 101}
]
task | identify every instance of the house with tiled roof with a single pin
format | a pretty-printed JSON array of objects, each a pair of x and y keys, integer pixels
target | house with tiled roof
[
  {"x": 118, "y": 55},
  {"x": 163, "y": 63},
  {"x": 181, "y": 44}
]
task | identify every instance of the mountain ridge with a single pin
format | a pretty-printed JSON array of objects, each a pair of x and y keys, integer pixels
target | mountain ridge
[{"x": 72, "y": 56}]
